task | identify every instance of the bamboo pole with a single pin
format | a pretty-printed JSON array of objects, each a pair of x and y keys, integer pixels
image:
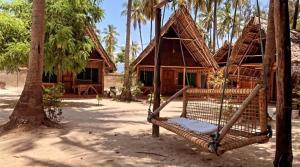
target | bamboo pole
[
  {"x": 240, "y": 111},
  {"x": 157, "y": 63}
]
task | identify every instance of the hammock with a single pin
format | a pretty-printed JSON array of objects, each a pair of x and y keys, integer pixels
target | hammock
[{"x": 218, "y": 120}]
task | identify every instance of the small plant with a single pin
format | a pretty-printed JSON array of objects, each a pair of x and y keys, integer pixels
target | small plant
[
  {"x": 297, "y": 92},
  {"x": 151, "y": 97},
  {"x": 216, "y": 80},
  {"x": 53, "y": 102},
  {"x": 136, "y": 89},
  {"x": 99, "y": 98}
]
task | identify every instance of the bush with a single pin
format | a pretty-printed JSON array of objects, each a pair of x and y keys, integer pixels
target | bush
[
  {"x": 136, "y": 89},
  {"x": 151, "y": 98},
  {"x": 53, "y": 102}
]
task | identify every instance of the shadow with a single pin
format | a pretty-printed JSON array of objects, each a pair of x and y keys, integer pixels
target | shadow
[
  {"x": 36, "y": 162},
  {"x": 114, "y": 134}
]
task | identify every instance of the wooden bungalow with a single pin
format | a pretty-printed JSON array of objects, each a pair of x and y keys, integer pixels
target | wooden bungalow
[
  {"x": 91, "y": 79},
  {"x": 246, "y": 57},
  {"x": 180, "y": 28}
]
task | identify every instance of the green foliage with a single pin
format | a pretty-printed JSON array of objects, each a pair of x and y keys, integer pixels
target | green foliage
[
  {"x": 99, "y": 98},
  {"x": 136, "y": 89},
  {"x": 216, "y": 80},
  {"x": 110, "y": 39},
  {"x": 297, "y": 92},
  {"x": 67, "y": 46},
  {"x": 121, "y": 56},
  {"x": 14, "y": 34},
  {"x": 151, "y": 97},
  {"x": 53, "y": 103}
]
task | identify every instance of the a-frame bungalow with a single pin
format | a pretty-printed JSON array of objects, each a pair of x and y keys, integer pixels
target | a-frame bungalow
[
  {"x": 246, "y": 58},
  {"x": 91, "y": 79},
  {"x": 191, "y": 55}
]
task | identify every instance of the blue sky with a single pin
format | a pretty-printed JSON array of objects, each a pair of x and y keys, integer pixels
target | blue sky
[{"x": 113, "y": 16}]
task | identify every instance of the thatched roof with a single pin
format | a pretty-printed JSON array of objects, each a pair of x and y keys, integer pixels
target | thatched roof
[
  {"x": 222, "y": 54},
  {"x": 249, "y": 44},
  {"x": 109, "y": 64},
  {"x": 184, "y": 26}
]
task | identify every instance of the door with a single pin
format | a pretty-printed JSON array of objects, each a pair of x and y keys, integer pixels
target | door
[{"x": 168, "y": 82}]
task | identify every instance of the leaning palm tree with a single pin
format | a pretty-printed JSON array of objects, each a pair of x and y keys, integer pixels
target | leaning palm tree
[
  {"x": 126, "y": 92},
  {"x": 137, "y": 16},
  {"x": 110, "y": 39}
]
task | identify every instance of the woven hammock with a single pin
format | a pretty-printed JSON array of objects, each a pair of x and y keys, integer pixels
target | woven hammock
[{"x": 243, "y": 116}]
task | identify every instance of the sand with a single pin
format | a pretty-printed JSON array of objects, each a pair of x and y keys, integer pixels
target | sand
[{"x": 117, "y": 134}]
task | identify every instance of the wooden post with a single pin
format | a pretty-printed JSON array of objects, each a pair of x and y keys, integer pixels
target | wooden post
[
  {"x": 284, "y": 154},
  {"x": 156, "y": 100},
  {"x": 184, "y": 94}
]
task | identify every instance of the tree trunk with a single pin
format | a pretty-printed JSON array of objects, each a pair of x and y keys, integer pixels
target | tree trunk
[
  {"x": 29, "y": 109},
  {"x": 157, "y": 62},
  {"x": 270, "y": 55},
  {"x": 295, "y": 15},
  {"x": 215, "y": 26},
  {"x": 141, "y": 37},
  {"x": 126, "y": 92},
  {"x": 284, "y": 155}
]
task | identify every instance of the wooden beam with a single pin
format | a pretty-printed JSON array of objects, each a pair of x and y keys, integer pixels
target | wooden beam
[
  {"x": 178, "y": 39},
  {"x": 157, "y": 62}
]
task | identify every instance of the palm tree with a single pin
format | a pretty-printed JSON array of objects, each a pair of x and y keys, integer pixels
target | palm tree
[
  {"x": 149, "y": 12},
  {"x": 216, "y": 3},
  {"x": 205, "y": 21},
  {"x": 110, "y": 39},
  {"x": 225, "y": 20},
  {"x": 30, "y": 109},
  {"x": 135, "y": 49},
  {"x": 137, "y": 17},
  {"x": 197, "y": 5},
  {"x": 126, "y": 92}
]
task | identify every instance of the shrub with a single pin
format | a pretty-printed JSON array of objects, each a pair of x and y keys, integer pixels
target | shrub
[
  {"x": 136, "y": 89},
  {"x": 53, "y": 102},
  {"x": 151, "y": 97}
]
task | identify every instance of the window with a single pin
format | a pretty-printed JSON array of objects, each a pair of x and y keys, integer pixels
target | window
[
  {"x": 49, "y": 78},
  {"x": 89, "y": 74},
  {"x": 190, "y": 79},
  {"x": 146, "y": 77}
]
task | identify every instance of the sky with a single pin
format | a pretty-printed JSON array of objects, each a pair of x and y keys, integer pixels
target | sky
[{"x": 113, "y": 16}]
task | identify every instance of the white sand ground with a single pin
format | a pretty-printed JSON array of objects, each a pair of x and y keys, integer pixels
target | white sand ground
[{"x": 117, "y": 134}]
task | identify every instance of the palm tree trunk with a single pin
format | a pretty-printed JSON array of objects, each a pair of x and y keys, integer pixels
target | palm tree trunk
[
  {"x": 29, "y": 109},
  {"x": 126, "y": 92},
  {"x": 215, "y": 26},
  {"x": 141, "y": 37},
  {"x": 296, "y": 15},
  {"x": 284, "y": 155},
  {"x": 270, "y": 54}
]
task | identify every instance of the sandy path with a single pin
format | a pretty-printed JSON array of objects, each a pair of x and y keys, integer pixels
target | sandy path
[{"x": 117, "y": 134}]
